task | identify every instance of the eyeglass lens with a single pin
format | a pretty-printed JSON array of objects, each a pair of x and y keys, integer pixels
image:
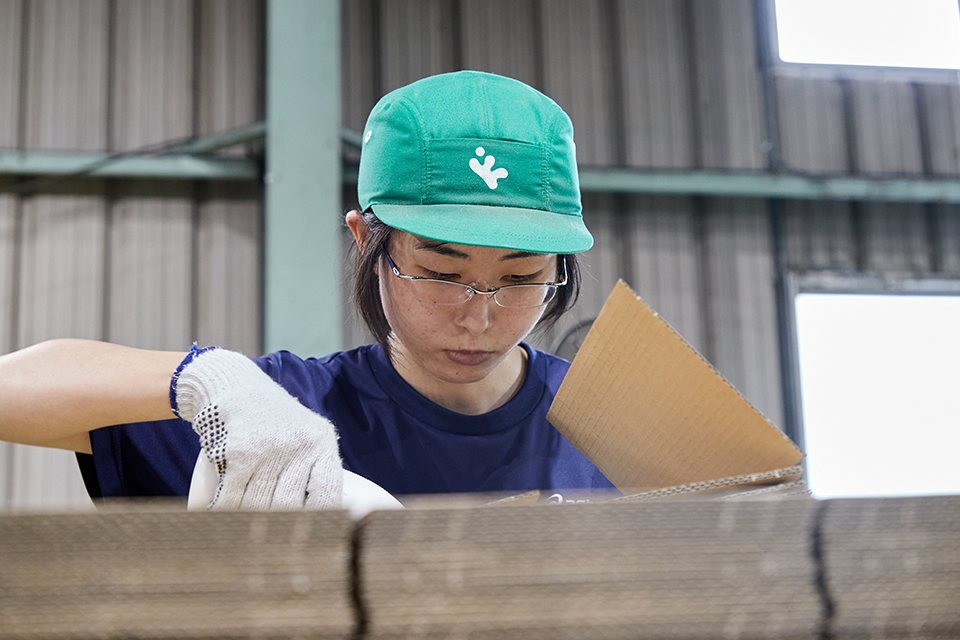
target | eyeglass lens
[{"x": 515, "y": 297}]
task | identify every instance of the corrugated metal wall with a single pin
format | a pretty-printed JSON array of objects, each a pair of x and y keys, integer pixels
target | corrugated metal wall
[
  {"x": 154, "y": 264},
  {"x": 667, "y": 84},
  {"x": 653, "y": 83},
  {"x": 675, "y": 84}
]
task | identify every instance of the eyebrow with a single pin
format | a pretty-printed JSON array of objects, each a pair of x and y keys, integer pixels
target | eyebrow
[{"x": 445, "y": 249}]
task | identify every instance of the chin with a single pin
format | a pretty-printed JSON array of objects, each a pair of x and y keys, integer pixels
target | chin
[{"x": 461, "y": 373}]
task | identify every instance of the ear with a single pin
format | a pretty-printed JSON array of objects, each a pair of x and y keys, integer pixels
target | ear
[{"x": 357, "y": 227}]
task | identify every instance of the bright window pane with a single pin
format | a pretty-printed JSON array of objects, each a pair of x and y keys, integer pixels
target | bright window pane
[
  {"x": 880, "y": 378},
  {"x": 889, "y": 33}
]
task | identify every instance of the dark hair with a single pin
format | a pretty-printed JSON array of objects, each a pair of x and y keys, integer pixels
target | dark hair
[{"x": 366, "y": 286}]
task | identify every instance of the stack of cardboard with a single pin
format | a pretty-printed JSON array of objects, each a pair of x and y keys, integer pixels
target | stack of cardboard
[
  {"x": 691, "y": 569},
  {"x": 685, "y": 570},
  {"x": 892, "y": 567},
  {"x": 164, "y": 573}
]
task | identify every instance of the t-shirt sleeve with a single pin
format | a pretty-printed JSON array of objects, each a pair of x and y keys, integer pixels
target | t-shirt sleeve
[{"x": 144, "y": 459}]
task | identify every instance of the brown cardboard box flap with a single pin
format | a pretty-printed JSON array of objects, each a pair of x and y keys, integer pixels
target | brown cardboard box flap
[
  {"x": 651, "y": 412},
  {"x": 751, "y": 483}
]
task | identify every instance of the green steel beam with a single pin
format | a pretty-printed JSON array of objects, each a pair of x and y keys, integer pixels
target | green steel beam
[
  {"x": 103, "y": 165},
  {"x": 181, "y": 162},
  {"x": 747, "y": 185},
  {"x": 759, "y": 185},
  {"x": 302, "y": 265},
  {"x": 351, "y": 138},
  {"x": 226, "y": 139}
]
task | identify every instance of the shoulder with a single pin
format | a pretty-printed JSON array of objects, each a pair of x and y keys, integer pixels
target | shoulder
[
  {"x": 547, "y": 366},
  {"x": 281, "y": 364},
  {"x": 549, "y": 359},
  {"x": 306, "y": 377}
]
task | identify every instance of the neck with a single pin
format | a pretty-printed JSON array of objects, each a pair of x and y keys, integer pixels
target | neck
[{"x": 468, "y": 398}]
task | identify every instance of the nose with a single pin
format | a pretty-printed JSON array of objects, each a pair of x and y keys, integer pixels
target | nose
[{"x": 474, "y": 314}]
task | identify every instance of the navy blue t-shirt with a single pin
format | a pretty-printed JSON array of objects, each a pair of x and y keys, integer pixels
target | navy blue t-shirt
[{"x": 389, "y": 433}]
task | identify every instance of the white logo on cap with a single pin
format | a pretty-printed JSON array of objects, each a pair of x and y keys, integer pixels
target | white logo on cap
[{"x": 485, "y": 170}]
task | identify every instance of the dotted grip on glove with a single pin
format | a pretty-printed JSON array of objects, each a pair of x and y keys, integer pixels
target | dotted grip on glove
[
  {"x": 213, "y": 439},
  {"x": 281, "y": 453}
]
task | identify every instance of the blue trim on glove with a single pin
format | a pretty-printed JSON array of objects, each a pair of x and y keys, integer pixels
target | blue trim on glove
[{"x": 194, "y": 352}]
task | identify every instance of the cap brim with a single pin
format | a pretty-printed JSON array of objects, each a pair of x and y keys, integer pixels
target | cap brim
[{"x": 488, "y": 226}]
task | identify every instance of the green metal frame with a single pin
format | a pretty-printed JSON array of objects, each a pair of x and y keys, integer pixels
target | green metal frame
[
  {"x": 225, "y": 139},
  {"x": 103, "y": 165},
  {"x": 303, "y": 217},
  {"x": 758, "y": 185},
  {"x": 184, "y": 165},
  {"x": 184, "y": 161},
  {"x": 767, "y": 185}
]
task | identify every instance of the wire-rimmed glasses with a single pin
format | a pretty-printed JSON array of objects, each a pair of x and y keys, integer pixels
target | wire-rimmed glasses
[{"x": 512, "y": 296}]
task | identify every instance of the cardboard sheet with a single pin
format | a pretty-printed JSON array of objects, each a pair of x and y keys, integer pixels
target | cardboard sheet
[{"x": 652, "y": 413}]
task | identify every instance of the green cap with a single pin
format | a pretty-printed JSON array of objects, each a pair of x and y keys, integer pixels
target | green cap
[{"x": 474, "y": 158}]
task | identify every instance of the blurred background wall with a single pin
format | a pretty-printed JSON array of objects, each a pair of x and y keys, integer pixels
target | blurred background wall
[{"x": 679, "y": 87}]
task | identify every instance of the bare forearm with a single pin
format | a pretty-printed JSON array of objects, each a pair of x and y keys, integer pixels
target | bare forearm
[{"x": 54, "y": 393}]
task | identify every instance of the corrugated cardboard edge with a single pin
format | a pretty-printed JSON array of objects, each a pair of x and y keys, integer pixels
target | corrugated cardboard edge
[
  {"x": 783, "y": 490},
  {"x": 575, "y": 431},
  {"x": 521, "y": 499},
  {"x": 719, "y": 375},
  {"x": 744, "y": 481}
]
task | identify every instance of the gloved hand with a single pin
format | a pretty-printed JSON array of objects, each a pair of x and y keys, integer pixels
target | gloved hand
[{"x": 271, "y": 452}]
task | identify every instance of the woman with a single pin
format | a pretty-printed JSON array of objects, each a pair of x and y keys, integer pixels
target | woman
[{"x": 471, "y": 214}]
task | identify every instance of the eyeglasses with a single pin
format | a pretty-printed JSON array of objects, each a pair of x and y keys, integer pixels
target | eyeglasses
[{"x": 512, "y": 296}]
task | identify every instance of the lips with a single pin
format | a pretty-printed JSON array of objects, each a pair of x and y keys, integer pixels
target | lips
[{"x": 469, "y": 358}]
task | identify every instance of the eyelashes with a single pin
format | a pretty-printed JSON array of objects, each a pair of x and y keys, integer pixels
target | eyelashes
[
  {"x": 453, "y": 277},
  {"x": 440, "y": 276}
]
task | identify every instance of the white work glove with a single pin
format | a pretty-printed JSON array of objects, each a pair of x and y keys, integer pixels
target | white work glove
[{"x": 271, "y": 451}]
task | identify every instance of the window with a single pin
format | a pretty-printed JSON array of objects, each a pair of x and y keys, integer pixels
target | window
[
  {"x": 917, "y": 35},
  {"x": 880, "y": 389}
]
